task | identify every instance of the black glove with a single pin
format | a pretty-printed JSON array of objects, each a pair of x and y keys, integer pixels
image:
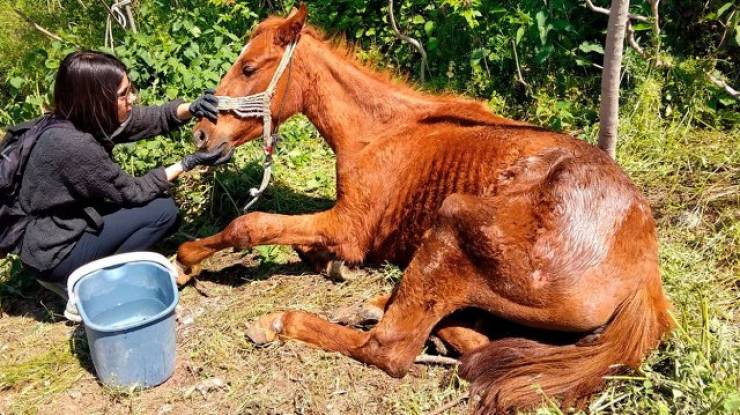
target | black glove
[
  {"x": 206, "y": 158},
  {"x": 205, "y": 106}
]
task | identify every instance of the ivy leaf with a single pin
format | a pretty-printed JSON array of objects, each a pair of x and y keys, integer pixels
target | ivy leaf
[
  {"x": 519, "y": 34},
  {"x": 429, "y": 27},
  {"x": 433, "y": 43},
  {"x": 642, "y": 26},
  {"x": 172, "y": 93},
  {"x": 591, "y": 47},
  {"x": 542, "y": 26},
  {"x": 724, "y": 8},
  {"x": 16, "y": 82}
]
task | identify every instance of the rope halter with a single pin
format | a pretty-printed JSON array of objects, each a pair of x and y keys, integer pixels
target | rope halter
[{"x": 258, "y": 105}]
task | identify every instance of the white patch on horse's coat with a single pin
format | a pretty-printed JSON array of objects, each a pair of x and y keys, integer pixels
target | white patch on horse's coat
[
  {"x": 244, "y": 49},
  {"x": 277, "y": 324},
  {"x": 588, "y": 214},
  {"x": 539, "y": 277}
]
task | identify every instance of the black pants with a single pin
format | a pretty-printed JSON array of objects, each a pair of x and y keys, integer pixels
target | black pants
[{"x": 124, "y": 230}]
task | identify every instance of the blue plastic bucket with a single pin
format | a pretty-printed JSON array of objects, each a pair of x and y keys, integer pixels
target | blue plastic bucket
[{"x": 127, "y": 304}]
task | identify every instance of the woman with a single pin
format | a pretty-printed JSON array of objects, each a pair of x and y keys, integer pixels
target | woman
[{"x": 82, "y": 204}]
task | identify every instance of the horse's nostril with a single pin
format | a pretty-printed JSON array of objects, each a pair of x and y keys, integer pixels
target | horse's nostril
[{"x": 200, "y": 138}]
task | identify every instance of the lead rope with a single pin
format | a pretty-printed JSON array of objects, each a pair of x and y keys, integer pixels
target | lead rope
[
  {"x": 258, "y": 105},
  {"x": 123, "y": 21}
]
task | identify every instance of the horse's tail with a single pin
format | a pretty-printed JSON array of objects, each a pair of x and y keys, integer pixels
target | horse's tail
[{"x": 519, "y": 373}]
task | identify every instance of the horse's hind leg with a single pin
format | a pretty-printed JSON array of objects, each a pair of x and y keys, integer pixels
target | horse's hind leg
[
  {"x": 463, "y": 330},
  {"x": 439, "y": 280}
]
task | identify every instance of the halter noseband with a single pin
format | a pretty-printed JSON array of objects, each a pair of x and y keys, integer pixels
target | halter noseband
[{"x": 258, "y": 105}]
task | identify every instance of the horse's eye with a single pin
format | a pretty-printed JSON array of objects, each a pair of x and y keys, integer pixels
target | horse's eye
[{"x": 248, "y": 70}]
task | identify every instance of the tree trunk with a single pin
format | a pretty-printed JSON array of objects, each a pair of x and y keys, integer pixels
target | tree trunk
[{"x": 609, "y": 111}]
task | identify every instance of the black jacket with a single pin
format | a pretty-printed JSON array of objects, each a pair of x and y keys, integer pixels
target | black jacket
[{"x": 70, "y": 175}]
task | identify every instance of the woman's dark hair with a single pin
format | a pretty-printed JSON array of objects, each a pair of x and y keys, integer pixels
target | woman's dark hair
[{"x": 85, "y": 92}]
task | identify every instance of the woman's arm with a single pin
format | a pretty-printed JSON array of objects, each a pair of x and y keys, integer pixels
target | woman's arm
[
  {"x": 93, "y": 175},
  {"x": 173, "y": 171},
  {"x": 200, "y": 158},
  {"x": 145, "y": 122},
  {"x": 183, "y": 111}
]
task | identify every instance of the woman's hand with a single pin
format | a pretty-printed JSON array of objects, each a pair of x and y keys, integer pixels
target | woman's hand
[
  {"x": 205, "y": 106},
  {"x": 209, "y": 158},
  {"x": 206, "y": 158}
]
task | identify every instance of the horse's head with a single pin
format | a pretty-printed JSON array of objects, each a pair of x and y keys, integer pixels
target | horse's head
[{"x": 251, "y": 74}]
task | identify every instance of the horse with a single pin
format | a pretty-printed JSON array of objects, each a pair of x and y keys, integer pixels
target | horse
[{"x": 489, "y": 216}]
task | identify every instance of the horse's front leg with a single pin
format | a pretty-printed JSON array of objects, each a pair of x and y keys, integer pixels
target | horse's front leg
[{"x": 258, "y": 228}]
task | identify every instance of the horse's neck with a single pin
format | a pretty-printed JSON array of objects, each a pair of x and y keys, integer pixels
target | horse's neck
[{"x": 350, "y": 107}]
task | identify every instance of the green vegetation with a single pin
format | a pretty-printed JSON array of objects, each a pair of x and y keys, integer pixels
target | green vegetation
[{"x": 679, "y": 141}]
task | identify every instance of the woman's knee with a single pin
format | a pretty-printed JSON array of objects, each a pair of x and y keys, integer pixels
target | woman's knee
[{"x": 164, "y": 211}]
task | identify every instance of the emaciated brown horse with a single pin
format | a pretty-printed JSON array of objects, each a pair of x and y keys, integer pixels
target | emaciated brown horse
[{"x": 489, "y": 215}]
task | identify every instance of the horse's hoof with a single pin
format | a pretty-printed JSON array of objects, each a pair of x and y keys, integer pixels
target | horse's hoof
[
  {"x": 266, "y": 329},
  {"x": 338, "y": 271},
  {"x": 184, "y": 274},
  {"x": 363, "y": 315}
]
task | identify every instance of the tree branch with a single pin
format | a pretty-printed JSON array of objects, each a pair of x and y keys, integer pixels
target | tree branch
[
  {"x": 633, "y": 43},
  {"x": 38, "y": 26},
  {"x": 415, "y": 43},
  {"x": 722, "y": 84},
  {"x": 656, "y": 20},
  {"x": 606, "y": 12},
  {"x": 130, "y": 16},
  {"x": 519, "y": 78}
]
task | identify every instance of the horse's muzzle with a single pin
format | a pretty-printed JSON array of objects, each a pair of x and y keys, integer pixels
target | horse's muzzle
[{"x": 200, "y": 139}]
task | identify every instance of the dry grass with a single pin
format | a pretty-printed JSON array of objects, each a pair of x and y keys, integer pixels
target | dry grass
[{"x": 689, "y": 178}]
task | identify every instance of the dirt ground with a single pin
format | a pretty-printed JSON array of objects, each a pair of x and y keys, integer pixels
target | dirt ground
[{"x": 218, "y": 370}]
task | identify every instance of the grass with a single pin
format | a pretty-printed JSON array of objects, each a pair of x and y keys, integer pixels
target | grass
[{"x": 689, "y": 174}]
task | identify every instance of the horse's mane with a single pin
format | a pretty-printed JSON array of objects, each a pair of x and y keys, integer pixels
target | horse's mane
[{"x": 453, "y": 108}]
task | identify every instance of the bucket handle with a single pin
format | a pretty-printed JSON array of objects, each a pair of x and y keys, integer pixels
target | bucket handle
[{"x": 111, "y": 261}]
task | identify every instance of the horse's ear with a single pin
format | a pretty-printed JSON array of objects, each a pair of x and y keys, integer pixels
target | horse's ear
[{"x": 290, "y": 29}]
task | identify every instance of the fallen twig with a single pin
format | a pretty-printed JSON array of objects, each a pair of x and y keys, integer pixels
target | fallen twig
[
  {"x": 450, "y": 405},
  {"x": 439, "y": 345},
  {"x": 438, "y": 360},
  {"x": 196, "y": 285}
]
